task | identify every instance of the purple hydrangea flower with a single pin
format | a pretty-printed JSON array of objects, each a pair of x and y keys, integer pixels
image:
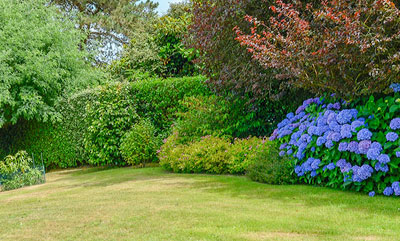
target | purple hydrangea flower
[
  {"x": 384, "y": 158},
  {"x": 336, "y": 106},
  {"x": 381, "y": 167},
  {"x": 315, "y": 164},
  {"x": 397, "y": 153},
  {"x": 321, "y": 140},
  {"x": 290, "y": 115},
  {"x": 395, "y": 124},
  {"x": 356, "y": 124},
  {"x": 388, "y": 191},
  {"x": 314, "y": 173},
  {"x": 283, "y": 146},
  {"x": 336, "y": 137},
  {"x": 395, "y": 87},
  {"x": 371, "y": 194},
  {"x": 363, "y": 146},
  {"x": 343, "y": 146},
  {"x": 392, "y": 136},
  {"x": 345, "y": 131},
  {"x": 376, "y": 145},
  {"x": 373, "y": 153},
  {"x": 299, "y": 171},
  {"x": 396, "y": 188},
  {"x": 334, "y": 126},
  {"x": 364, "y": 172},
  {"x": 313, "y": 149},
  {"x": 344, "y": 117},
  {"x": 341, "y": 163},
  {"x": 364, "y": 134},
  {"x": 281, "y": 153},
  {"x": 331, "y": 166},
  {"x": 329, "y": 144},
  {"x": 290, "y": 151},
  {"x": 353, "y": 147}
]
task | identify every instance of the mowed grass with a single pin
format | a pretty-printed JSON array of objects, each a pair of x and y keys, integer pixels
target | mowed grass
[{"x": 151, "y": 204}]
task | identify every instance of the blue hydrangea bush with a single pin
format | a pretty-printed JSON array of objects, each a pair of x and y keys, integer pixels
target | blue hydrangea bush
[{"x": 348, "y": 146}]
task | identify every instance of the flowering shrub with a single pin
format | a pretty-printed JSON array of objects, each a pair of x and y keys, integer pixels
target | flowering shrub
[
  {"x": 209, "y": 155},
  {"x": 343, "y": 147},
  {"x": 346, "y": 47}
]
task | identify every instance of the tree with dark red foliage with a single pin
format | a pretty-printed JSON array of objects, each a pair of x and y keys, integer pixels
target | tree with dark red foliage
[{"x": 350, "y": 48}]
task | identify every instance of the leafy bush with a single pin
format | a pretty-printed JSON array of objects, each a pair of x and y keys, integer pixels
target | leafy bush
[
  {"x": 139, "y": 145},
  {"x": 209, "y": 155},
  {"x": 61, "y": 143},
  {"x": 109, "y": 118},
  {"x": 349, "y": 148},
  {"x": 268, "y": 167},
  {"x": 17, "y": 171},
  {"x": 158, "y": 100},
  {"x": 343, "y": 47}
]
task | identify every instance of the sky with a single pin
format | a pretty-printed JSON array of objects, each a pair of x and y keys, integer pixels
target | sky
[{"x": 164, "y": 5}]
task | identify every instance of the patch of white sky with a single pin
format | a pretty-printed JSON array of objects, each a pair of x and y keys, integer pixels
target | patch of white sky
[{"x": 163, "y": 5}]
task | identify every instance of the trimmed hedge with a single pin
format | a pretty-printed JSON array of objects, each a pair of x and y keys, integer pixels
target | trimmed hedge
[{"x": 62, "y": 144}]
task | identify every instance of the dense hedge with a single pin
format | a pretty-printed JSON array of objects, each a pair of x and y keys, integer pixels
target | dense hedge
[
  {"x": 347, "y": 146},
  {"x": 62, "y": 144},
  {"x": 158, "y": 100}
]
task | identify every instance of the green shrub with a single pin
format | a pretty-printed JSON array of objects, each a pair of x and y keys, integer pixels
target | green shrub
[
  {"x": 158, "y": 100},
  {"x": 140, "y": 145},
  {"x": 61, "y": 143},
  {"x": 209, "y": 155},
  {"x": 268, "y": 167},
  {"x": 17, "y": 171},
  {"x": 109, "y": 118}
]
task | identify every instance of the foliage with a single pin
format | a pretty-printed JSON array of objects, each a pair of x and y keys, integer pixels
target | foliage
[
  {"x": 209, "y": 155},
  {"x": 348, "y": 148},
  {"x": 17, "y": 171},
  {"x": 156, "y": 48},
  {"x": 61, "y": 144},
  {"x": 158, "y": 100},
  {"x": 139, "y": 145},
  {"x": 228, "y": 66},
  {"x": 109, "y": 118},
  {"x": 108, "y": 23},
  {"x": 343, "y": 47},
  {"x": 268, "y": 167},
  {"x": 39, "y": 61}
]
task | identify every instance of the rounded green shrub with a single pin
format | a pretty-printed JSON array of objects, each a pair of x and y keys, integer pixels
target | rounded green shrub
[
  {"x": 140, "y": 144},
  {"x": 268, "y": 167}
]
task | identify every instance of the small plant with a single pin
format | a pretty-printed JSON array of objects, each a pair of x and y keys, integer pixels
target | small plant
[
  {"x": 139, "y": 145},
  {"x": 17, "y": 171},
  {"x": 268, "y": 167}
]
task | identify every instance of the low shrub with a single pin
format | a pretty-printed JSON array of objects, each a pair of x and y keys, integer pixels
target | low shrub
[
  {"x": 17, "y": 171},
  {"x": 268, "y": 167},
  {"x": 339, "y": 146},
  {"x": 209, "y": 155},
  {"x": 140, "y": 145}
]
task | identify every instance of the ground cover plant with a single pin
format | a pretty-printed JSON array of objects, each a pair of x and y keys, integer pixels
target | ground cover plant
[
  {"x": 19, "y": 171},
  {"x": 150, "y": 204}
]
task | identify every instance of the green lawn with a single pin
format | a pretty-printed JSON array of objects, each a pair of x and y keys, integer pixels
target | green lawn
[{"x": 150, "y": 204}]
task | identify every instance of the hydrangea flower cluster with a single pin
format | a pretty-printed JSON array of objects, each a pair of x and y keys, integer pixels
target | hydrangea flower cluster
[{"x": 330, "y": 130}]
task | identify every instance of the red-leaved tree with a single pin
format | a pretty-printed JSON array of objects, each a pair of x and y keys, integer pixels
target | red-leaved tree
[{"x": 350, "y": 48}]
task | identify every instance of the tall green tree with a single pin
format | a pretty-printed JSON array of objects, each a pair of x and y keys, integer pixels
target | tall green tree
[
  {"x": 40, "y": 61},
  {"x": 108, "y": 24}
]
